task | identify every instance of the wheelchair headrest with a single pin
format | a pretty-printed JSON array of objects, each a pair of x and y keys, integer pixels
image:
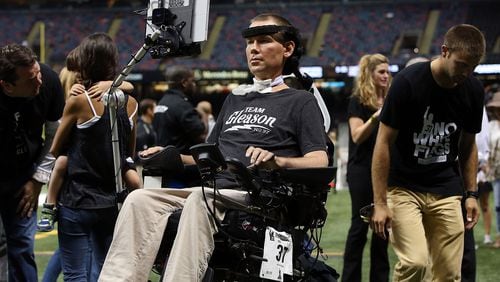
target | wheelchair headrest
[{"x": 166, "y": 160}]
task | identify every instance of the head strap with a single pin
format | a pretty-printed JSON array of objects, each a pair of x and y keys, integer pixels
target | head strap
[{"x": 265, "y": 30}]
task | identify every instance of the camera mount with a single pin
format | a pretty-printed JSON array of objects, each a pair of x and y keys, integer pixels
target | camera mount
[{"x": 175, "y": 28}]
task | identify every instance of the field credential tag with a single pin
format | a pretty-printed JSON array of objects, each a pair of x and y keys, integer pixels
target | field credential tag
[{"x": 278, "y": 254}]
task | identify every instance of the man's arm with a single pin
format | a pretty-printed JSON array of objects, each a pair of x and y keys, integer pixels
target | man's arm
[
  {"x": 44, "y": 165},
  {"x": 382, "y": 216},
  {"x": 46, "y": 160},
  {"x": 53, "y": 93},
  {"x": 186, "y": 159},
  {"x": 259, "y": 156},
  {"x": 467, "y": 156},
  {"x": 311, "y": 159}
]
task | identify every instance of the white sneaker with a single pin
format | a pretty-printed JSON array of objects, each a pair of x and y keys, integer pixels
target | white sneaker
[{"x": 487, "y": 240}]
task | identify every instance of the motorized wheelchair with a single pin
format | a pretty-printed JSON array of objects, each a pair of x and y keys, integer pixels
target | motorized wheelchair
[{"x": 284, "y": 203}]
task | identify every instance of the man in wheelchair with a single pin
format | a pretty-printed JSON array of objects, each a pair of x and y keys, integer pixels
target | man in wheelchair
[{"x": 266, "y": 124}]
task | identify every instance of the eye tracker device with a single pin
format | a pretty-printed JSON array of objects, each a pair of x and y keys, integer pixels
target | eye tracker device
[{"x": 182, "y": 24}]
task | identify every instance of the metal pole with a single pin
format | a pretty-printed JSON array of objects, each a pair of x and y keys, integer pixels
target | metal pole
[
  {"x": 115, "y": 99},
  {"x": 42, "y": 43}
]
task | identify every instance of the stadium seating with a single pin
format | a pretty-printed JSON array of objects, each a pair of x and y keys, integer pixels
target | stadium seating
[{"x": 355, "y": 29}]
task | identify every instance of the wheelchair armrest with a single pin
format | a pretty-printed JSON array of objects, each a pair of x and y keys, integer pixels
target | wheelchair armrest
[
  {"x": 168, "y": 160},
  {"x": 243, "y": 176},
  {"x": 317, "y": 176},
  {"x": 208, "y": 158}
]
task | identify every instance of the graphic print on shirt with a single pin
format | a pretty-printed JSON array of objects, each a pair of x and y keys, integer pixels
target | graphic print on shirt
[
  {"x": 250, "y": 118},
  {"x": 161, "y": 109},
  {"x": 432, "y": 144},
  {"x": 21, "y": 145}
]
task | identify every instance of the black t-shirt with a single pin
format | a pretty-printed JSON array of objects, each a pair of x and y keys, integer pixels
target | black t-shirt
[
  {"x": 360, "y": 154},
  {"x": 176, "y": 122},
  {"x": 287, "y": 123},
  {"x": 21, "y": 127},
  {"x": 429, "y": 119}
]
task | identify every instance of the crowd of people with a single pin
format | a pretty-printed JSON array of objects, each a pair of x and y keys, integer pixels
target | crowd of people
[{"x": 413, "y": 158}]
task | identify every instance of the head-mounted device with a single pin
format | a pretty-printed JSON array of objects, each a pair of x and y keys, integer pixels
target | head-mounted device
[{"x": 267, "y": 30}]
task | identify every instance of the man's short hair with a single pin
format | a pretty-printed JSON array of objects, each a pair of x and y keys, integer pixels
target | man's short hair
[
  {"x": 176, "y": 74},
  {"x": 466, "y": 38},
  {"x": 13, "y": 56}
]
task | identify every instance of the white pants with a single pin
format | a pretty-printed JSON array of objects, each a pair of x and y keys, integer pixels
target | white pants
[{"x": 141, "y": 224}]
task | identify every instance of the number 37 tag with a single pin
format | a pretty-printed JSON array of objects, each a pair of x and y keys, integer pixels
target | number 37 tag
[{"x": 278, "y": 254}]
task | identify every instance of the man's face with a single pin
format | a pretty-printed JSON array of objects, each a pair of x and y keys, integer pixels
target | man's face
[
  {"x": 266, "y": 56},
  {"x": 151, "y": 111},
  {"x": 189, "y": 85},
  {"x": 459, "y": 65},
  {"x": 28, "y": 82}
]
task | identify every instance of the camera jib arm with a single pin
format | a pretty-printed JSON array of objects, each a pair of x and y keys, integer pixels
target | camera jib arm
[{"x": 115, "y": 99}]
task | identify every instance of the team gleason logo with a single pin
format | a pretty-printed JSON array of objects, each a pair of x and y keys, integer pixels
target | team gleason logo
[{"x": 250, "y": 118}]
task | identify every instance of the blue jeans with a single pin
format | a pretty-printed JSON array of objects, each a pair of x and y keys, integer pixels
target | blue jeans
[
  {"x": 3, "y": 253},
  {"x": 54, "y": 267},
  {"x": 496, "y": 199},
  {"x": 20, "y": 234},
  {"x": 84, "y": 239}
]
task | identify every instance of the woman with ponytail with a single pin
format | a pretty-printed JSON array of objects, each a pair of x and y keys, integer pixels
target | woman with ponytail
[{"x": 370, "y": 89}]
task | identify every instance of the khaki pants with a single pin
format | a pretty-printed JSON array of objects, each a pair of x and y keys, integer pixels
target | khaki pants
[
  {"x": 426, "y": 227},
  {"x": 141, "y": 224}
]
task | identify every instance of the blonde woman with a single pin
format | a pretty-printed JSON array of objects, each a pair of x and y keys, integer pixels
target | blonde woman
[{"x": 370, "y": 89}]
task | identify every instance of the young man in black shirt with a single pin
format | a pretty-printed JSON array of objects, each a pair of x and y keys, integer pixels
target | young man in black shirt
[
  {"x": 425, "y": 159},
  {"x": 31, "y": 96}
]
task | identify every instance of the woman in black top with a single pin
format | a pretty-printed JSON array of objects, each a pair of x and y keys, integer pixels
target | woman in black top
[
  {"x": 88, "y": 200},
  {"x": 370, "y": 89}
]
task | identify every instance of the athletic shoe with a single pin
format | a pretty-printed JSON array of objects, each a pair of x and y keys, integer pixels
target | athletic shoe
[
  {"x": 47, "y": 218},
  {"x": 487, "y": 240}
]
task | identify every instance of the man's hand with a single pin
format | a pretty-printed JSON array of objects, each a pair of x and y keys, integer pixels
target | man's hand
[
  {"x": 259, "y": 156},
  {"x": 472, "y": 212},
  {"x": 29, "y": 199},
  {"x": 381, "y": 220},
  {"x": 150, "y": 151}
]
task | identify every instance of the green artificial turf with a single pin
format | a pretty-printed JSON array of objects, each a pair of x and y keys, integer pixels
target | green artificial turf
[{"x": 333, "y": 241}]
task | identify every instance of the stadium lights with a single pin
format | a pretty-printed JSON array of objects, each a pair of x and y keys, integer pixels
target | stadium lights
[
  {"x": 352, "y": 71},
  {"x": 487, "y": 69}
]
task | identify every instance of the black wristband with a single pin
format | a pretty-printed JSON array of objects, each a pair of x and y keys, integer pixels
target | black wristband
[{"x": 471, "y": 194}]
